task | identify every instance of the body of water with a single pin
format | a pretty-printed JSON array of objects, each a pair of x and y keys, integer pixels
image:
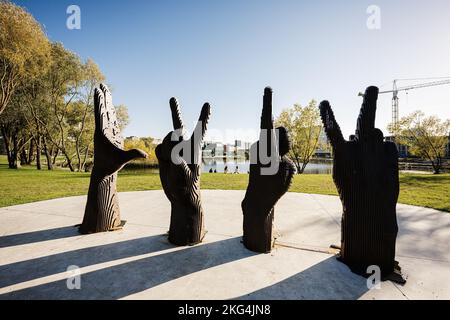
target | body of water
[
  {"x": 243, "y": 166},
  {"x": 322, "y": 166}
]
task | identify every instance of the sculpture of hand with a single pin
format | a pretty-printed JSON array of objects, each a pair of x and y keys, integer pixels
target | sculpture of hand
[
  {"x": 102, "y": 211},
  {"x": 179, "y": 170},
  {"x": 365, "y": 171},
  {"x": 265, "y": 188}
]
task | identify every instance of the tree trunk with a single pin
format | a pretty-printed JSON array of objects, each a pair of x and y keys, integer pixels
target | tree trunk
[
  {"x": 69, "y": 164},
  {"x": 437, "y": 165},
  {"x": 86, "y": 153},
  {"x": 78, "y": 152},
  {"x": 38, "y": 153},
  {"x": 68, "y": 159},
  {"x": 30, "y": 152},
  {"x": 47, "y": 154},
  {"x": 55, "y": 156},
  {"x": 13, "y": 160},
  {"x": 23, "y": 157},
  {"x": 304, "y": 166},
  {"x": 6, "y": 133}
]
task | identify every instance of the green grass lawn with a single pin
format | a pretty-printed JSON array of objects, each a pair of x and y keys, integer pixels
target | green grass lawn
[{"x": 28, "y": 184}]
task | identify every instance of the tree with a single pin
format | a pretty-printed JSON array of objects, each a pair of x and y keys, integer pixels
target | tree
[
  {"x": 122, "y": 116},
  {"x": 62, "y": 84},
  {"x": 425, "y": 137},
  {"x": 24, "y": 47},
  {"x": 304, "y": 127},
  {"x": 31, "y": 96},
  {"x": 83, "y": 129},
  {"x": 145, "y": 144},
  {"x": 14, "y": 132}
]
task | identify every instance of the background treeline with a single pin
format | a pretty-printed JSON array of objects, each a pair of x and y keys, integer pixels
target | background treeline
[{"x": 46, "y": 97}]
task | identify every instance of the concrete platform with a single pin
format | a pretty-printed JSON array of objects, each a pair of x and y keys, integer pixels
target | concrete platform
[{"x": 38, "y": 242}]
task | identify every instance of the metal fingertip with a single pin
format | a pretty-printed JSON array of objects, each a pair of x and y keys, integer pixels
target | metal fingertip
[
  {"x": 173, "y": 102},
  {"x": 104, "y": 87},
  {"x": 371, "y": 92},
  {"x": 268, "y": 90},
  {"x": 324, "y": 105}
]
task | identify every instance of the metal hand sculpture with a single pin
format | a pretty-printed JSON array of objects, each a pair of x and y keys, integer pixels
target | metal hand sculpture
[
  {"x": 365, "y": 171},
  {"x": 265, "y": 189},
  {"x": 102, "y": 211},
  {"x": 179, "y": 170}
]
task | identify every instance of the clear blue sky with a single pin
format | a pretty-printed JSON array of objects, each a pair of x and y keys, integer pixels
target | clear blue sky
[{"x": 226, "y": 52}]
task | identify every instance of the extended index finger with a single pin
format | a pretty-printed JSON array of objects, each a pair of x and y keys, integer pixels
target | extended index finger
[
  {"x": 266, "y": 116},
  {"x": 203, "y": 120},
  {"x": 366, "y": 119},
  {"x": 176, "y": 114}
]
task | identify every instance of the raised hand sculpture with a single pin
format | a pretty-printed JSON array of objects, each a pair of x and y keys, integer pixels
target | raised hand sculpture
[
  {"x": 179, "y": 169},
  {"x": 269, "y": 180},
  {"x": 365, "y": 171},
  {"x": 102, "y": 211}
]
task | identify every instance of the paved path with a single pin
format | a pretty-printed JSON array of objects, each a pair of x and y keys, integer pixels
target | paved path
[{"x": 38, "y": 242}]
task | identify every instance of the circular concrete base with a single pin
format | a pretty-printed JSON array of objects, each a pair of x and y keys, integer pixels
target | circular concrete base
[{"x": 38, "y": 242}]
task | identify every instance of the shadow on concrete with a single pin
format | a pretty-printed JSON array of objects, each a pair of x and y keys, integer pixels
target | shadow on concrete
[
  {"x": 41, "y": 267},
  {"x": 124, "y": 279},
  {"x": 328, "y": 279},
  {"x": 38, "y": 236}
]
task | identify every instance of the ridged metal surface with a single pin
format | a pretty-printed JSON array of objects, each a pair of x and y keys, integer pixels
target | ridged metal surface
[
  {"x": 181, "y": 181},
  {"x": 264, "y": 190},
  {"x": 102, "y": 211},
  {"x": 365, "y": 171}
]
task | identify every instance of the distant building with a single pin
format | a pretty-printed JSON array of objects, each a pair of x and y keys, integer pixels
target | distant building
[
  {"x": 212, "y": 149},
  {"x": 403, "y": 151},
  {"x": 218, "y": 149},
  {"x": 228, "y": 150}
]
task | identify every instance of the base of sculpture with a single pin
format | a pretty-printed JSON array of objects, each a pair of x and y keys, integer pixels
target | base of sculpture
[
  {"x": 179, "y": 242},
  {"x": 83, "y": 230},
  {"x": 102, "y": 211},
  {"x": 186, "y": 225},
  {"x": 258, "y": 231},
  {"x": 394, "y": 276}
]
